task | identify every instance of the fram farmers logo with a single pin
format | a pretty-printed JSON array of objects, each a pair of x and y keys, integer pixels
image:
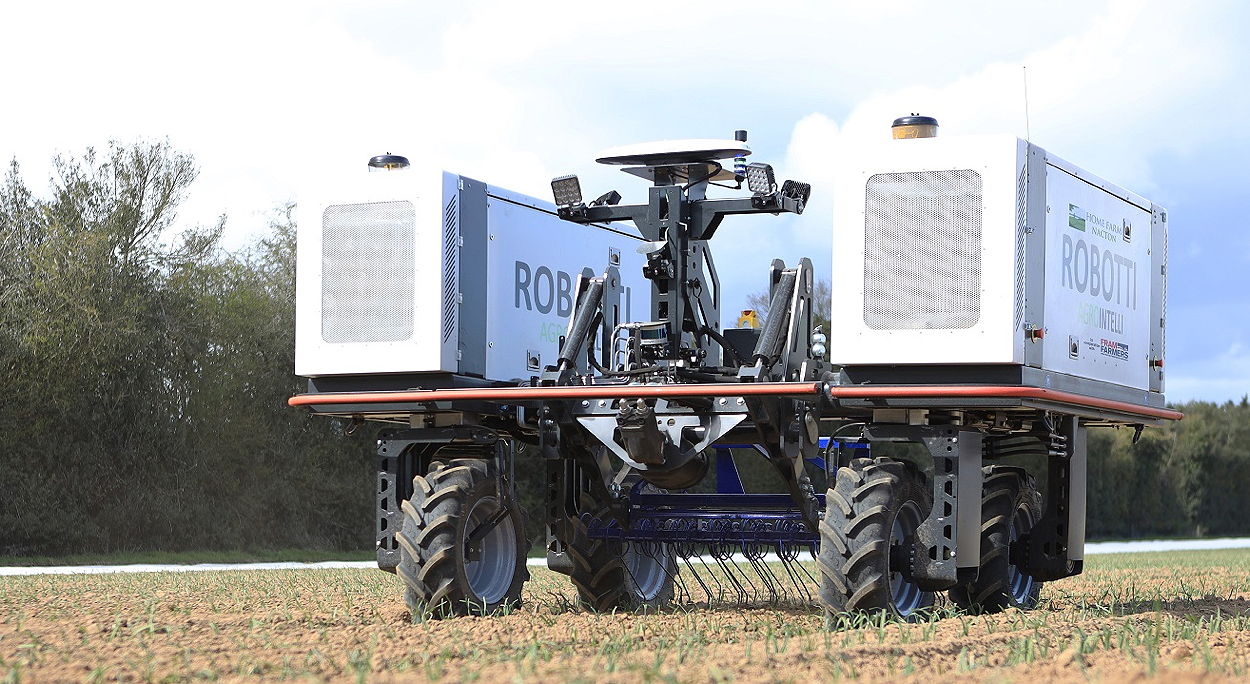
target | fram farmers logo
[
  {"x": 1076, "y": 217},
  {"x": 1116, "y": 350}
]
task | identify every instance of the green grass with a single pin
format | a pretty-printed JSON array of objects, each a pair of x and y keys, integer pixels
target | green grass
[
  {"x": 1186, "y": 558},
  {"x": 1235, "y": 559},
  {"x": 1128, "y": 615},
  {"x": 189, "y": 557},
  {"x": 1163, "y": 537}
]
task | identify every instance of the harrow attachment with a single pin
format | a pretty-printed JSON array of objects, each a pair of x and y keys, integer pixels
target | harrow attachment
[
  {"x": 729, "y": 547},
  {"x": 744, "y": 549}
]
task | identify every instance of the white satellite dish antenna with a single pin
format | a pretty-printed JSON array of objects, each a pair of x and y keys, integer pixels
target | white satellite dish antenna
[{"x": 671, "y": 152}]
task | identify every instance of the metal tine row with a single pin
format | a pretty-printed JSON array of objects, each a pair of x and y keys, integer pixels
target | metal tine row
[{"x": 733, "y": 572}]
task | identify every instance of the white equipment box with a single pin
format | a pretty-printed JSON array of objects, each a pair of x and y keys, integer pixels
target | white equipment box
[
  {"x": 959, "y": 252},
  {"x": 419, "y": 272}
]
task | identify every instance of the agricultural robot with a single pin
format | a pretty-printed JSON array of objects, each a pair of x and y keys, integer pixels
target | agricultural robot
[{"x": 991, "y": 302}]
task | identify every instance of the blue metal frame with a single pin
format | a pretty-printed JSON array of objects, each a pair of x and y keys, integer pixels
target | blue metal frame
[
  {"x": 728, "y": 517},
  {"x": 740, "y": 537},
  {"x": 727, "y": 479}
]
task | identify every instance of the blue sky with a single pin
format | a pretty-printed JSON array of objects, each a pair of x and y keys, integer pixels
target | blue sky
[{"x": 273, "y": 96}]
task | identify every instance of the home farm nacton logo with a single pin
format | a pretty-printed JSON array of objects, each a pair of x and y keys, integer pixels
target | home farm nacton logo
[
  {"x": 1076, "y": 218},
  {"x": 1085, "y": 221}
]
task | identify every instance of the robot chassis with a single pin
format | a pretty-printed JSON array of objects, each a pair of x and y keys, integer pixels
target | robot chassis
[{"x": 634, "y": 414}]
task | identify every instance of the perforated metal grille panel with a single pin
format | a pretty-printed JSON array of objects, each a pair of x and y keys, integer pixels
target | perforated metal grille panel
[
  {"x": 1163, "y": 337},
  {"x": 1022, "y": 187},
  {"x": 451, "y": 248},
  {"x": 367, "y": 272},
  {"x": 922, "y": 250}
]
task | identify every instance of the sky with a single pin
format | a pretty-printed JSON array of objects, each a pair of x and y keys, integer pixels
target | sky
[{"x": 275, "y": 97}]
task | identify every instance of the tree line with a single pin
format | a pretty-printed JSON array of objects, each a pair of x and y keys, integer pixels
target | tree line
[{"x": 144, "y": 373}]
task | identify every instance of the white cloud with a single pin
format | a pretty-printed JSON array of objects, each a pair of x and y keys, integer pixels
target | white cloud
[
  {"x": 1140, "y": 80},
  {"x": 265, "y": 96},
  {"x": 266, "y": 93},
  {"x": 1223, "y": 377}
]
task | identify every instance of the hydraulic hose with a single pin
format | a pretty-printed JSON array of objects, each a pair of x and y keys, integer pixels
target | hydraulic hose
[
  {"x": 583, "y": 320},
  {"x": 594, "y": 363},
  {"x": 775, "y": 328},
  {"x": 724, "y": 345}
]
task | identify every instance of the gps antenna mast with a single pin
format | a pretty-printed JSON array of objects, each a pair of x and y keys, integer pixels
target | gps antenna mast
[{"x": 1027, "y": 135}]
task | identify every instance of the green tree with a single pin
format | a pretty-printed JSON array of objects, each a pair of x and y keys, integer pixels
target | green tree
[
  {"x": 146, "y": 373},
  {"x": 822, "y": 302}
]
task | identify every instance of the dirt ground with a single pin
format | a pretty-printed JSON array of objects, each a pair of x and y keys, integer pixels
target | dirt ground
[{"x": 1177, "y": 616}]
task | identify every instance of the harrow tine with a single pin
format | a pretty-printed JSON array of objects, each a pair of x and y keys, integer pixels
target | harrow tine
[
  {"x": 811, "y": 579},
  {"x": 789, "y": 554},
  {"x": 751, "y": 593},
  {"x": 755, "y": 556},
  {"x": 681, "y": 590},
  {"x": 661, "y": 553},
  {"x": 730, "y": 584},
  {"x": 682, "y": 552},
  {"x": 626, "y": 547},
  {"x": 709, "y": 597},
  {"x": 756, "y": 596},
  {"x": 790, "y": 561},
  {"x": 744, "y": 550},
  {"x": 724, "y": 561}
]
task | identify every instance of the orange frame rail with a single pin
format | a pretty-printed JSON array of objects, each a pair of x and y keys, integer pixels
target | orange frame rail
[
  {"x": 778, "y": 389},
  {"x": 565, "y": 392},
  {"x": 1001, "y": 392}
]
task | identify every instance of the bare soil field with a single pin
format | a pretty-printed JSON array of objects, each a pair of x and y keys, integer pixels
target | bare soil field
[{"x": 1181, "y": 616}]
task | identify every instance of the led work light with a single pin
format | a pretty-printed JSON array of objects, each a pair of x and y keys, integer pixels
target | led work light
[
  {"x": 797, "y": 190},
  {"x": 567, "y": 191},
  {"x": 760, "y": 178}
]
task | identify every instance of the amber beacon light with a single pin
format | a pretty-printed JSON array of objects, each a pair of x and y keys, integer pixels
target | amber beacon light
[{"x": 914, "y": 126}]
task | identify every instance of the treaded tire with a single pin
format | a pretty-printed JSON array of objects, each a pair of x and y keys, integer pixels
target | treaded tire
[
  {"x": 606, "y": 574},
  {"x": 861, "y": 510},
  {"x": 440, "y": 581},
  {"x": 1009, "y": 498}
]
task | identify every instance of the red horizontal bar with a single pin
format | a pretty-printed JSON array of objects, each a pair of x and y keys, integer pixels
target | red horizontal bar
[
  {"x": 506, "y": 394},
  {"x": 1007, "y": 391},
  {"x": 735, "y": 389}
]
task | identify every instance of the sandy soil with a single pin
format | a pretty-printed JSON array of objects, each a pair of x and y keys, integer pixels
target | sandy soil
[{"x": 1112, "y": 624}]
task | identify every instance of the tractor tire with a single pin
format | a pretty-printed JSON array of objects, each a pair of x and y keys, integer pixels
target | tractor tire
[
  {"x": 1010, "y": 505},
  {"x": 442, "y": 576},
  {"x": 612, "y": 575},
  {"x": 871, "y": 514}
]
